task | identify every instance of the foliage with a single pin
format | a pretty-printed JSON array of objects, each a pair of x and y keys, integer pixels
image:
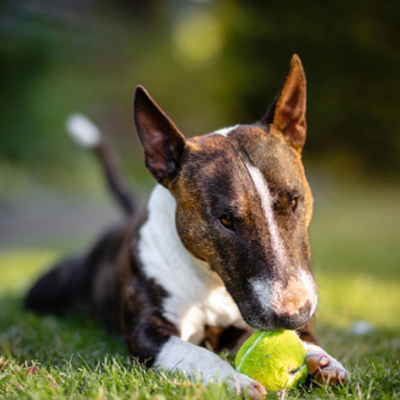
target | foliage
[{"x": 209, "y": 64}]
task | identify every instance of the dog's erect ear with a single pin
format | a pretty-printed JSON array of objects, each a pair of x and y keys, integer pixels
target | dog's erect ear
[
  {"x": 162, "y": 141},
  {"x": 288, "y": 111}
]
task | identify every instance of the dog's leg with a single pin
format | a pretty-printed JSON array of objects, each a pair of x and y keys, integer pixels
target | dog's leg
[
  {"x": 323, "y": 367},
  {"x": 58, "y": 289},
  {"x": 198, "y": 363},
  {"x": 85, "y": 283},
  {"x": 153, "y": 340}
]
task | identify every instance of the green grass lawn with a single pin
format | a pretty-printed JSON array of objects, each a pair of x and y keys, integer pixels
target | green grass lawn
[{"x": 356, "y": 257}]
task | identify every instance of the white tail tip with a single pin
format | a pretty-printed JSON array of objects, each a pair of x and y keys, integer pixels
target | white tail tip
[{"x": 83, "y": 131}]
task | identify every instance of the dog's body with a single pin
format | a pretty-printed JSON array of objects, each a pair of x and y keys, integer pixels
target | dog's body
[{"x": 222, "y": 249}]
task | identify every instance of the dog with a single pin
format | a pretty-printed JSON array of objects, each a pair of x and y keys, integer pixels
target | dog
[{"x": 222, "y": 249}]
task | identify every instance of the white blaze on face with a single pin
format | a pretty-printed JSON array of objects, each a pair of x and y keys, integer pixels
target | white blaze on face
[
  {"x": 266, "y": 199},
  {"x": 225, "y": 131},
  {"x": 300, "y": 289}
]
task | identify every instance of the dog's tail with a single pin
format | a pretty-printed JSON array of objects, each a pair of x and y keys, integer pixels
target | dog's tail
[{"x": 87, "y": 135}]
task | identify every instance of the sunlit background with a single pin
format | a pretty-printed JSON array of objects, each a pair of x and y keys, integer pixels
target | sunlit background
[{"x": 209, "y": 64}]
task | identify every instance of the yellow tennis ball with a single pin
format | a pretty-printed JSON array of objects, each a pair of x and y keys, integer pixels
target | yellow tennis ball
[{"x": 275, "y": 359}]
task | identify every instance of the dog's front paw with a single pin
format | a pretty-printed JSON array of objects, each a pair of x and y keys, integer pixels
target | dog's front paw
[
  {"x": 255, "y": 390},
  {"x": 325, "y": 369}
]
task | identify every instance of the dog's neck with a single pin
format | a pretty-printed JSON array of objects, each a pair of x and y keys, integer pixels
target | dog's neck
[
  {"x": 161, "y": 249},
  {"x": 196, "y": 295}
]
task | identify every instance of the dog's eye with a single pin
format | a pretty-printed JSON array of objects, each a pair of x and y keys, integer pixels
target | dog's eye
[
  {"x": 227, "y": 222},
  {"x": 293, "y": 203}
]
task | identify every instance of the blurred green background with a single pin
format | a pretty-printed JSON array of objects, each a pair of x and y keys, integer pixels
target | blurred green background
[{"x": 209, "y": 64}]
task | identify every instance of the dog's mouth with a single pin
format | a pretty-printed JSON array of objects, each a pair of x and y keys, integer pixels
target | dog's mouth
[
  {"x": 269, "y": 320},
  {"x": 270, "y": 305}
]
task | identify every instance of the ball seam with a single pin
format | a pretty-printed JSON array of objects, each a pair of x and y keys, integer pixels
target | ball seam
[{"x": 249, "y": 350}]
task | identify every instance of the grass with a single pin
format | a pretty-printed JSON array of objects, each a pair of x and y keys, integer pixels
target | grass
[{"x": 356, "y": 244}]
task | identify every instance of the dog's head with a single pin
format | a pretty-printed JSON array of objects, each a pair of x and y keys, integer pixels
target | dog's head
[{"x": 243, "y": 202}]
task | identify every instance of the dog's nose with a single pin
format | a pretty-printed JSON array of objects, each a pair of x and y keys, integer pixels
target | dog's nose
[
  {"x": 268, "y": 319},
  {"x": 292, "y": 321},
  {"x": 280, "y": 305},
  {"x": 293, "y": 305}
]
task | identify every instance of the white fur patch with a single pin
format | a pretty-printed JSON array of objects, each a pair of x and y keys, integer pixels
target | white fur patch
[
  {"x": 196, "y": 295},
  {"x": 262, "y": 290},
  {"x": 82, "y": 130},
  {"x": 198, "y": 363},
  {"x": 192, "y": 325},
  {"x": 310, "y": 285},
  {"x": 225, "y": 131},
  {"x": 221, "y": 310},
  {"x": 311, "y": 347},
  {"x": 193, "y": 361},
  {"x": 266, "y": 199}
]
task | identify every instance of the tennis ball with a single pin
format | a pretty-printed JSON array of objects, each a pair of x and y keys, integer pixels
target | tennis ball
[{"x": 275, "y": 359}]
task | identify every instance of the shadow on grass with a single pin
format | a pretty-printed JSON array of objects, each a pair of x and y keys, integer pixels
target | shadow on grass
[
  {"x": 28, "y": 336},
  {"x": 25, "y": 336}
]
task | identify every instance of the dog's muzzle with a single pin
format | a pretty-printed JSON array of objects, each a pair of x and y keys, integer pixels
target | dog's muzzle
[
  {"x": 269, "y": 320},
  {"x": 270, "y": 305}
]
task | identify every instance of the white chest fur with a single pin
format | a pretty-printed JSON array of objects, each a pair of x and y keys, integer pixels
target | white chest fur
[{"x": 197, "y": 296}]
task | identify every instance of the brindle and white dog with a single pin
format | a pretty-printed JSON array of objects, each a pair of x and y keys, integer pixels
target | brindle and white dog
[{"x": 221, "y": 250}]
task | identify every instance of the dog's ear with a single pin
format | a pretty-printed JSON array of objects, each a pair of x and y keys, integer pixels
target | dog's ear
[
  {"x": 288, "y": 111},
  {"x": 162, "y": 141}
]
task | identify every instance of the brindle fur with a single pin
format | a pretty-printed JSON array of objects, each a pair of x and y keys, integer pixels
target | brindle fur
[{"x": 109, "y": 281}]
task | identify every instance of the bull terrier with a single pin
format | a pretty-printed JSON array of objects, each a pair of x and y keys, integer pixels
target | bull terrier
[{"x": 221, "y": 250}]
